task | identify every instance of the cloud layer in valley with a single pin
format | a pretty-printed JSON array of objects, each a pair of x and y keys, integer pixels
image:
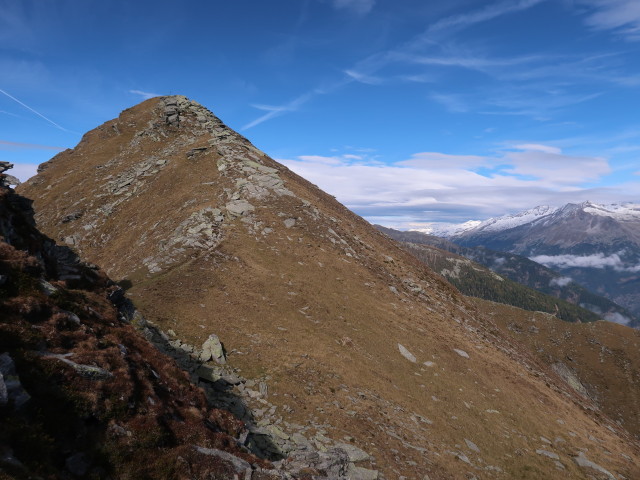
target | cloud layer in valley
[{"x": 597, "y": 260}]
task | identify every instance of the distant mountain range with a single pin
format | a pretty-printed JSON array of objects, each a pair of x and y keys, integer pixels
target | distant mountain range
[
  {"x": 597, "y": 246},
  {"x": 510, "y": 279}
]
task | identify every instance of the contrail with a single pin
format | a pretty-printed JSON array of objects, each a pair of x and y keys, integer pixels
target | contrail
[
  {"x": 7, "y": 145},
  {"x": 36, "y": 112}
]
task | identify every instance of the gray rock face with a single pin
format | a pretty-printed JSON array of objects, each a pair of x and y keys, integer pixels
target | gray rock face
[
  {"x": 355, "y": 454},
  {"x": 87, "y": 371},
  {"x": 582, "y": 461},
  {"x": 334, "y": 463},
  {"x": 546, "y": 453},
  {"x": 11, "y": 390},
  {"x": 571, "y": 378},
  {"x": 238, "y": 464},
  {"x": 360, "y": 473},
  {"x": 4, "y": 396},
  {"x": 212, "y": 349},
  {"x": 472, "y": 446},
  {"x": 208, "y": 373},
  {"x": 238, "y": 208},
  {"x": 47, "y": 288}
]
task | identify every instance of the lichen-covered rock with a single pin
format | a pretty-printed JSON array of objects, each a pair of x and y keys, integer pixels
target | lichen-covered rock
[
  {"x": 212, "y": 349},
  {"x": 238, "y": 208}
]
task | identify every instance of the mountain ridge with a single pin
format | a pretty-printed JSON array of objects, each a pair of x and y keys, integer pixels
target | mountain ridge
[
  {"x": 627, "y": 211},
  {"x": 596, "y": 245},
  {"x": 352, "y": 337}
]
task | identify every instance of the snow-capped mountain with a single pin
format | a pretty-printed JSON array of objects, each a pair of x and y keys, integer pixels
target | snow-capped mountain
[
  {"x": 596, "y": 245},
  {"x": 446, "y": 230},
  {"x": 511, "y": 221},
  {"x": 622, "y": 212}
]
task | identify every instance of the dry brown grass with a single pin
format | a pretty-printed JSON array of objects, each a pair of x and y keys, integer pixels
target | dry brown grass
[
  {"x": 283, "y": 303},
  {"x": 142, "y": 421}
]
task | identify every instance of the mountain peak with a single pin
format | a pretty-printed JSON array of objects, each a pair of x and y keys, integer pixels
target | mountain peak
[{"x": 342, "y": 330}]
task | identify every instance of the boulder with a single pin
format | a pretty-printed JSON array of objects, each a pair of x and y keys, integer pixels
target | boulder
[
  {"x": 582, "y": 461},
  {"x": 462, "y": 353},
  {"x": 10, "y": 384},
  {"x": 406, "y": 353},
  {"x": 212, "y": 349},
  {"x": 208, "y": 373},
  {"x": 355, "y": 454},
  {"x": 238, "y": 208},
  {"x": 360, "y": 473},
  {"x": 334, "y": 463}
]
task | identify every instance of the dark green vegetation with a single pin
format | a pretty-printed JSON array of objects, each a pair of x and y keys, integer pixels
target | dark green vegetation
[
  {"x": 598, "y": 246},
  {"x": 547, "y": 291},
  {"x": 477, "y": 281}
]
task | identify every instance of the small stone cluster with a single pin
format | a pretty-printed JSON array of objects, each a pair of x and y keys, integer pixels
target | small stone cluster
[{"x": 265, "y": 436}]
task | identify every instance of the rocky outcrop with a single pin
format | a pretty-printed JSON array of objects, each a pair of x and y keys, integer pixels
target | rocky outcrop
[
  {"x": 7, "y": 180},
  {"x": 84, "y": 395},
  {"x": 267, "y": 435}
]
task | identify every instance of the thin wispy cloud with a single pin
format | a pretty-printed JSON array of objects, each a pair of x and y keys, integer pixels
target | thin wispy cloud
[
  {"x": 276, "y": 111},
  {"x": 554, "y": 168},
  {"x": 539, "y": 148},
  {"x": 529, "y": 101},
  {"x": 490, "y": 12},
  {"x": 620, "y": 16},
  {"x": 359, "y": 7},
  {"x": 4, "y": 112},
  {"x": 145, "y": 95},
  {"x": 36, "y": 112},
  {"x": 419, "y": 78},
  {"x": 7, "y": 145},
  {"x": 268, "y": 108},
  {"x": 443, "y": 161},
  {"x": 363, "y": 78},
  {"x": 560, "y": 281},
  {"x": 363, "y": 70},
  {"x": 453, "y": 103},
  {"x": 470, "y": 61},
  {"x": 617, "y": 318}
]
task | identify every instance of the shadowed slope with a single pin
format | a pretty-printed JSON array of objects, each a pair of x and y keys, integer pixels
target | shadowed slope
[{"x": 82, "y": 393}]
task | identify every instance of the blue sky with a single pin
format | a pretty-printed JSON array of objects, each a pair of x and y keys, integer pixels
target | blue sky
[{"x": 409, "y": 112}]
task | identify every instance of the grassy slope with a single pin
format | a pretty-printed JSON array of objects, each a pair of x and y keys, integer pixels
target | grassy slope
[{"x": 319, "y": 309}]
